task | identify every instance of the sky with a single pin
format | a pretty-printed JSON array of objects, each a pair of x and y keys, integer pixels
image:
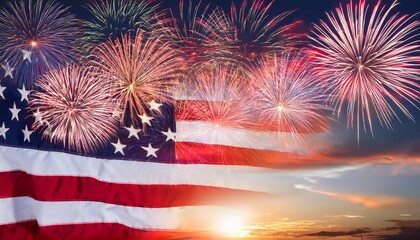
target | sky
[{"x": 345, "y": 188}]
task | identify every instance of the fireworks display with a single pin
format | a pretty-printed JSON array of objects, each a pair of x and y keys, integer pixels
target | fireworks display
[
  {"x": 288, "y": 95},
  {"x": 237, "y": 67},
  {"x": 137, "y": 72},
  {"x": 113, "y": 18},
  {"x": 370, "y": 59},
  {"x": 36, "y": 35},
  {"x": 73, "y": 108}
]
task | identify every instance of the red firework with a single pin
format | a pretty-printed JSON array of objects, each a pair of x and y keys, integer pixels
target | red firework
[
  {"x": 370, "y": 61},
  {"x": 137, "y": 71},
  {"x": 288, "y": 96}
]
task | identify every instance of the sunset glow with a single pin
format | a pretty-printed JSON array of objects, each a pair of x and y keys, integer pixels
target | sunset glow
[
  {"x": 232, "y": 226},
  {"x": 210, "y": 119}
]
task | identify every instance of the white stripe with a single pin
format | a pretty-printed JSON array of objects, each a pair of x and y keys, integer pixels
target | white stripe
[
  {"x": 208, "y": 133},
  {"x": 44, "y": 163},
  {"x": 19, "y": 209}
]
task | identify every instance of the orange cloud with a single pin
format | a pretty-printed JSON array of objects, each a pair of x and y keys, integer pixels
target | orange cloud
[{"x": 369, "y": 201}]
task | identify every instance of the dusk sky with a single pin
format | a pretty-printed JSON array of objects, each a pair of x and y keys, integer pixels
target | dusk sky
[{"x": 340, "y": 187}]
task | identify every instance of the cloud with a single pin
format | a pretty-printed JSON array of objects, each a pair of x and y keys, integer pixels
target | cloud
[
  {"x": 341, "y": 146},
  {"x": 340, "y": 233},
  {"x": 402, "y": 140},
  {"x": 313, "y": 174},
  {"x": 404, "y": 229},
  {"x": 378, "y": 202},
  {"x": 285, "y": 227},
  {"x": 405, "y": 214},
  {"x": 344, "y": 216},
  {"x": 369, "y": 201},
  {"x": 406, "y": 223}
]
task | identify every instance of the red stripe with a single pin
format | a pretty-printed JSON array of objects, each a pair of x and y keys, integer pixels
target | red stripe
[
  {"x": 94, "y": 231},
  {"x": 198, "y": 110},
  {"x": 60, "y": 188},
  {"x": 198, "y": 153}
]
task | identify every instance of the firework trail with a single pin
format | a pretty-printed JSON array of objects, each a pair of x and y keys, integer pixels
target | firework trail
[
  {"x": 370, "y": 59},
  {"x": 288, "y": 96},
  {"x": 73, "y": 108},
  {"x": 137, "y": 71},
  {"x": 36, "y": 35},
  {"x": 113, "y": 18}
]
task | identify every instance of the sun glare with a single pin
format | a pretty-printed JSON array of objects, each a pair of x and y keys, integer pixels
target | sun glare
[{"x": 232, "y": 226}]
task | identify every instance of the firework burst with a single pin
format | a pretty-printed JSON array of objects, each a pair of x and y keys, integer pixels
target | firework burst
[
  {"x": 371, "y": 60},
  {"x": 36, "y": 35},
  {"x": 188, "y": 32},
  {"x": 73, "y": 108},
  {"x": 137, "y": 71},
  {"x": 288, "y": 95},
  {"x": 113, "y": 18},
  {"x": 250, "y": 32}
]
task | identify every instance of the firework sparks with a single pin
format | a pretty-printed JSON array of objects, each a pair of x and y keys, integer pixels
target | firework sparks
[
  {"x": 113, "y": 18},
  {"x": 371, "y": 62},
  {"x": 73, "y": 108},
  {"x": 288, "y": 95},
  {"x": 38, "y": 35},
  {"x": 137, "y": 72}
]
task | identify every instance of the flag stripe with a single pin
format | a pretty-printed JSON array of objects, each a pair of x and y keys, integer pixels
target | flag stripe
[
  {"x": 189, "y": 152},
  {"x": 20, "y": 209},
  {"x": 43, "y": 163},
  {"x": 30, "y": 230},
  {"x": 45, "y": 213},
  {"x": 208, "y": 133},
  {"x": 52, "y": 188}
]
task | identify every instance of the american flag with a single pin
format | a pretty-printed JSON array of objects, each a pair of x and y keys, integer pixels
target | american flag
[{"x": 138, "y": 186}]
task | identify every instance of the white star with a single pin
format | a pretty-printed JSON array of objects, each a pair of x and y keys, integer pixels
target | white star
[
  {"x": 3, "y": 130},
  {"x": 24, "y": 93},
  {"x": 27, "y": 134},
  {"x": 119, "y": 147},
  {"x": 145, "y": 119},
  {"x": 170, "y": 135},
  {"x": 15, "y": 112},
  {"x": 27, "y": 55},
  {"x": 133, "y": 132},
  {"x": 49, "y": 130},
  {"x": 1, "y": 91},
  {"x": 116, "y": 113},
  {"x": 150, "y": 150},
  {"x": 38, "y": 116},
  {"x": 8, "y": 70},
  {"x": 154, "y": 105}
]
